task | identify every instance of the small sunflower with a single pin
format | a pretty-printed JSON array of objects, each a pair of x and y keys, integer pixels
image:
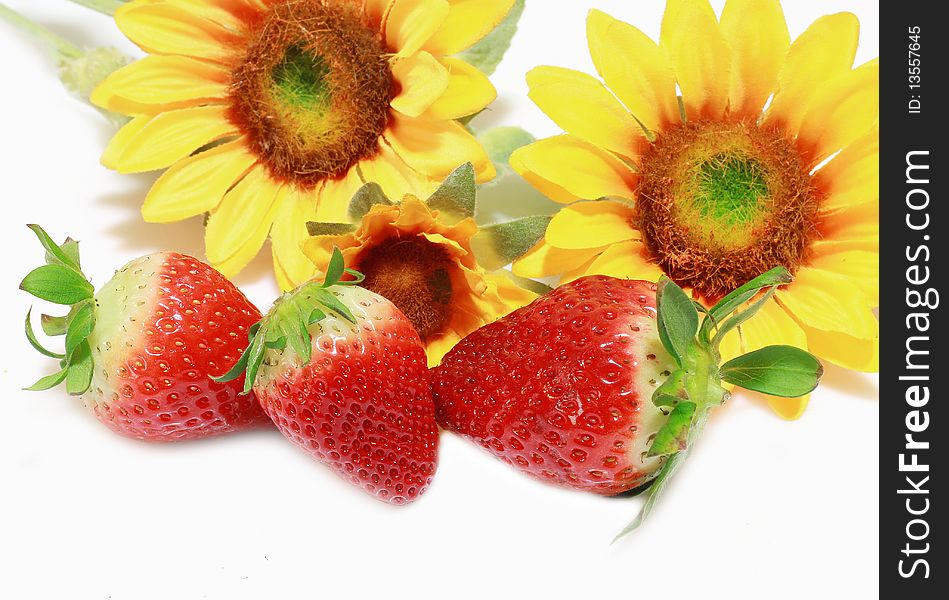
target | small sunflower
[
  {"x": 768, "y": 158},
  {"x": 421, "y": 256},
  {"x": 271, "y": 113}
]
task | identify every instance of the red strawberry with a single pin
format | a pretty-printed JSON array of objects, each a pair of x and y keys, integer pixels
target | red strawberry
[
  {"x": 142, "y": 350},
  {"x": 590, "y": 387},
  {"x": 343, "y": 374}
]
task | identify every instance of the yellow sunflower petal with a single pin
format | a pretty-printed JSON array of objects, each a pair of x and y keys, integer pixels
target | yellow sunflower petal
[
  {"x": 246, "y": 253},
  {"x": 857, "y": 227},
  {"x": 823, "y": 52},
  {"x": 468, "y": 91},
  {"x": 583, "y": 106},
  {"x": 436, "y": 148},
  {"x": 757, "y": 33},
  {"x": 161, "y": 28},
  {"x": 511, "y": 295},
  {"x": 626, "y": 260},
  {"x": 165, "y": 82},
  {"x": 422, "y": 79},
  {"x": 166, "y": 138},
  {"x": 845, "y": 110},
  {"x": 544, "y": 260},
  {"x": 394, "y": 176},
  {"x": 567, "y": 163},
  {"x": 789, "y": 408},
  {"x": 411, "y": 23},
  {"x": 699, "y": 55},
  {"x": 853, "y": 176},
  {"x": 294, "y": 210},
  {"x": 227, "y": 13},
  {"x": 235, "y": 220},
  {"x": 819, "y": 299},
  {"x": 196, "y": 184},
  {"x": 861, "y": 267},
  {"x": 635, "y": 69},
  {"x": 437, "y": 347},
  {"x": 847, "y": 351},
  {"x": 333, "y": 198},
  {"x": 590, "y": 225},
  {"x": 468, "y": 21},
  {"x": 376, "y": 10}
]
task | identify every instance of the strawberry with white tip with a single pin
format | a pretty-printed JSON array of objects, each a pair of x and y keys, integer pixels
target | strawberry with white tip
[
  {"x": 141, "y": 351},
  {"x": 343, "y": 374}
]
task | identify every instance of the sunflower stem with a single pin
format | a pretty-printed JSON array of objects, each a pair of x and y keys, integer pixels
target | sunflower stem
[
  {"x": 61, "y": 48},
  {"x": 106, "y": 7}
]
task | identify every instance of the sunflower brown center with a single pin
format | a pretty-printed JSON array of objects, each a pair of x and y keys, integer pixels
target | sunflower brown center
[
  {"x": 312, "y": 90},
  {"x": 414, "y": 274},
  {"x": 721, "y": 203}
]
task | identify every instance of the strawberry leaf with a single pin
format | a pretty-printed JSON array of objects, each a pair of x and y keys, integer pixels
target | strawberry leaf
[
  {"x": 335, "y": 269},
  {"x": 731, "y": 302},
  {"x": 79, "y": 371},
  {"x": 57, "y": 284},
  {"x": 53, "y": 326},
  {"x": 673, "y": 436},
  {"x": 80, "y": 325},
  {"x": 327, "y": 299},
  {"x": 48, "y": 382},
  {"x": 783, "y": 371},
  {"x": 677, "y": 319},
  {"x": 31, "y": 337},
  {"x": 654, "y": 493},
  {"x": 740, "y": 318},
  {"x": 55, "y": 253}
]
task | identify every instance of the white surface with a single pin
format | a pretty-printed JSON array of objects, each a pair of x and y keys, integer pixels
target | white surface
[{"x": 763, "y": 509}]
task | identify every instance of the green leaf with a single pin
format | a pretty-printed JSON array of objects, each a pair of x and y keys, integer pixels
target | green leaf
[
  {"x": 335, "y": 268},
  {"x": 783, "y": 371},
  {"x": 48, "y": 382},
  {"x": 487, "y": 54},
  {"x": 677, "y": 319},
  {"x": 673, "y": 436},
  {"x": 501, "y": 142},
  {"x": 734, "y": 300},
  {"x": 79, "y": 370},
  {"x": 53, "y": 325},
  {"x": 234, "y": 372},
  {"x": 71, "y": 249},
  {"x": 457, "y": 194},
  {"x": 31, "y": 337},
  {"x": 81, "y": 325},
  {"x": 503, "y": 243},
  {"x": 736, "y": 320},
  {"x": 55, "y": 254},
  {"x": 357, "y": 277},
  {"x": 327, "y": 299},
  {"x": 57, "y": 284},
  {"x": 314, "y": 228},
  {"x": 654, "y": 493},
  {"x": 365, "y": 198},
  {"x": 255, "y": 356}
]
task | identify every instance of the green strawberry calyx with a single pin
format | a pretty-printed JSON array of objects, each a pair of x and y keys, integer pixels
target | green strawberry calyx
[
  {"x": 692, "y": 335},
  {"x": 61, "y": 281},
  {"x": 287, "y": 323}
]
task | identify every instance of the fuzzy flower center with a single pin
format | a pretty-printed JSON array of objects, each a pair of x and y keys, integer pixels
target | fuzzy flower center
[
  {"x": 312, "y": 90},
  {"x": 720, "y": 203},
  {"x": 414, "y": 274}
]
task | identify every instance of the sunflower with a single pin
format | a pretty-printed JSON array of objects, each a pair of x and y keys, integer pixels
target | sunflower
[
  {"x": 768, "y": 158},
  {"x": 271, "y": 113},
  {"x": 420, "y": 257}
]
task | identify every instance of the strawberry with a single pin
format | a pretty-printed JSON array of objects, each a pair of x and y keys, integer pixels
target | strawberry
[
  {"x": 343, "y": 374},
  {"x": 142, "y": 350},
  {"x": 591, "y": 387}
]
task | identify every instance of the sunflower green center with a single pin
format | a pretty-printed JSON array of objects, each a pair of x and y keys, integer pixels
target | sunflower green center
[
  {"x": 312, "y": 91},
  {"x": 415, "y": 275},
  {"x": 720, "y": 203}
]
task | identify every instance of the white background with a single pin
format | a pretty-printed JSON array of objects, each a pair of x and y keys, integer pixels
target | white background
[{"x": 763, "y": 509}]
